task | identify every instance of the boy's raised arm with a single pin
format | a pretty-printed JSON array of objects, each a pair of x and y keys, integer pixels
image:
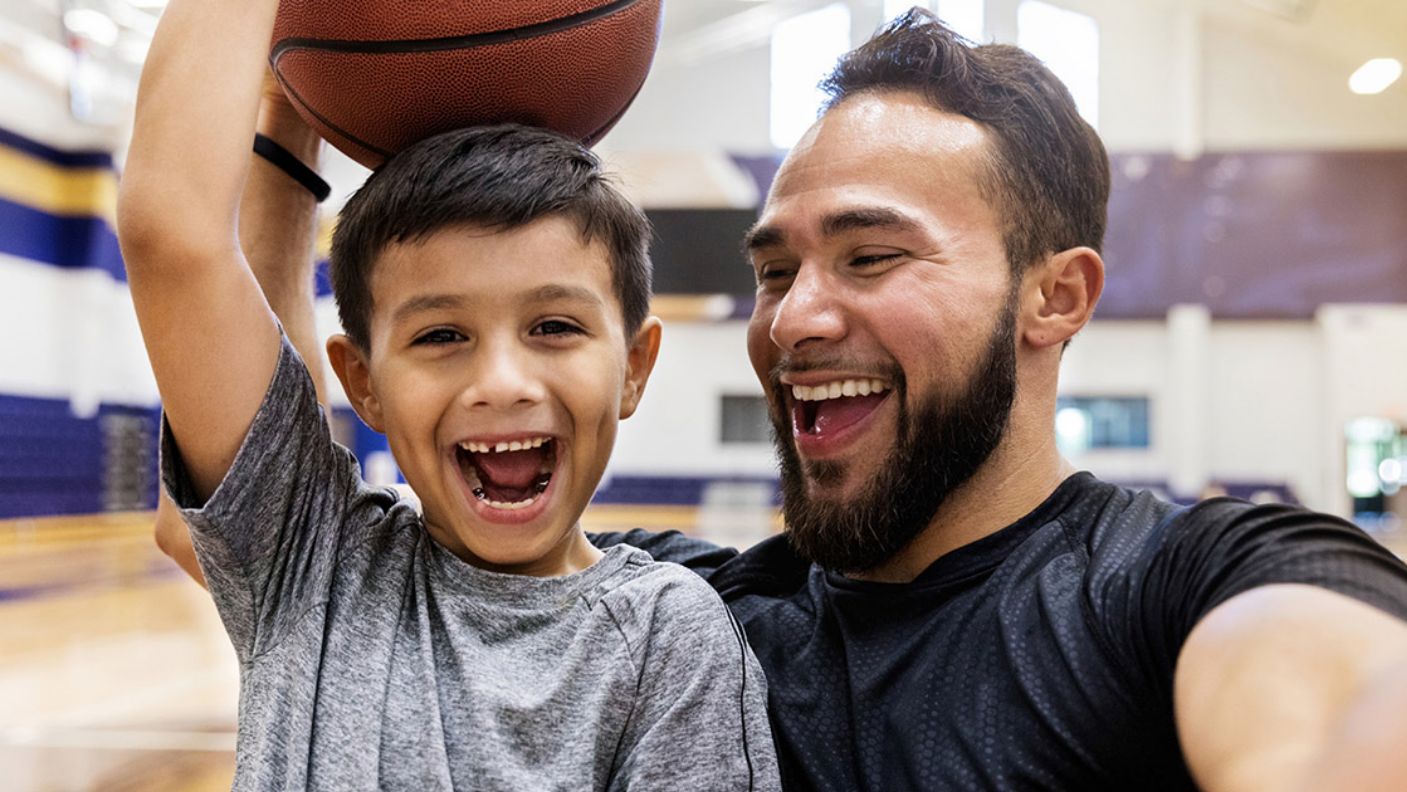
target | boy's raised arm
[{"x": 209, "y": 333}]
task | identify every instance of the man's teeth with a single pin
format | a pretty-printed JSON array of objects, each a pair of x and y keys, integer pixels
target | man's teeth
[
  {"x": 837, "y": 389},
  {"x": 498, "y": 448}
]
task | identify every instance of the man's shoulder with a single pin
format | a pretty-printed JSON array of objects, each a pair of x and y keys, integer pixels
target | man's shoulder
[
  {"x": 770, "y": 568},
  {"x": 1136, "y": 526},
  {"x": 698, "y": 555},
  {"x": 1168, "y": 565},
  {"x": 1115, "y": 524}
]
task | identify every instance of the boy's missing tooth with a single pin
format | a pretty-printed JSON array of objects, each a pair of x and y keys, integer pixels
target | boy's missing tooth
[{"x": 493, "y": 287}]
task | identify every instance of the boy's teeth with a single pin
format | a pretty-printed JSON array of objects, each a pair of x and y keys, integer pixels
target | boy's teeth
[
  {"x": 498, "y": 448},
  {"x": 837, "y": 389},
  {"x": 493, "y": 504}
]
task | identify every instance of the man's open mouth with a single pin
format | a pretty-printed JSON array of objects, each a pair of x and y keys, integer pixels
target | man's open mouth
[
  {"x": 508, "y": 475},
  {"x": 832, "y": 406}
]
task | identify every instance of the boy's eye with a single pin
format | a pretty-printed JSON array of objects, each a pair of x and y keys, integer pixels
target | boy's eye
[
  {"x": 555, "y": 327},
  {"x": 438, "y": 336}
]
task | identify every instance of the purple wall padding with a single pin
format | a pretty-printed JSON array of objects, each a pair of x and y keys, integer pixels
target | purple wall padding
[{"x": 1252, "y": 235}]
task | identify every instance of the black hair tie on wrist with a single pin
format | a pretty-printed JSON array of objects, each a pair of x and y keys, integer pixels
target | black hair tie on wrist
[{"x": 281, "y": 158}]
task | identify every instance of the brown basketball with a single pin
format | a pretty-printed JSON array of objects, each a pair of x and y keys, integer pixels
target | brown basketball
[{"x": 374, "y": 76}]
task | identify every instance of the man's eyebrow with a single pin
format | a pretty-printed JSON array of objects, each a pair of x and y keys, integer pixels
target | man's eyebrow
[
  {"x": 838, "y": 223},
  {"x": 834, "y": 224},
  {"x": 426, "y": 302},
  {"x": 762, "y": 236}
]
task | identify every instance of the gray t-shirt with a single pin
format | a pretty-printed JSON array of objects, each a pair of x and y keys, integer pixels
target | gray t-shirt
[{"x": 372, "y": 658}]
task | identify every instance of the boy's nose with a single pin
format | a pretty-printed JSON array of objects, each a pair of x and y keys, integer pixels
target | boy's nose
[{"x": 503, "y": 380}]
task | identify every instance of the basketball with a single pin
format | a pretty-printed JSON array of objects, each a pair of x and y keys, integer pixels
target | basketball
[{"x": 373, "y": 76}]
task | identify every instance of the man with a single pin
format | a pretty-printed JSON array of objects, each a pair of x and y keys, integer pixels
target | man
[{"x": 952, "y": 606}]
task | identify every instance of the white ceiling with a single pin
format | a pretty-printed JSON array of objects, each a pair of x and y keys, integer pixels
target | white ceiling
[
  {"x": 1341, "y": 33},
  {"x": 1355, "y": 24}
]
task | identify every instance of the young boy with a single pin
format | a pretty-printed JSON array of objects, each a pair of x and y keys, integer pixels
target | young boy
[{"x": 493, "y": 289}]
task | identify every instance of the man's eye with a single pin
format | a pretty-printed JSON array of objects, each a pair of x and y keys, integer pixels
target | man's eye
[
  {"x": 438, "y": 336},
  {"x": 871, "y": 260},
  {"x": 773, "y": 273},
  {"x": 556, "y": 327}
]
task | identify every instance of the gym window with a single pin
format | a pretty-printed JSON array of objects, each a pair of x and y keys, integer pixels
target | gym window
[
  {"x": 1068, "y": 43},
  {"x": 1084, "y": 423},
  {"x": 745, "y": 420},
  {"x": 804, "y": 50}
]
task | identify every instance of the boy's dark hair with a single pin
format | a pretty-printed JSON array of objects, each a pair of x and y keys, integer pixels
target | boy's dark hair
[
  {"x": 1048, "y": 174},
  {"x": 502, "y": 177}
]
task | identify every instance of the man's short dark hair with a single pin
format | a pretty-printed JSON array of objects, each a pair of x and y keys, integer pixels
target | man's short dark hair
[
  {"x": 1048, "y": 176},
  {"x": 499, "y": 177}
]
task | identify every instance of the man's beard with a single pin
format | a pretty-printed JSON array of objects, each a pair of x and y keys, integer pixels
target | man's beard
[{"x": 935, "y": 451}]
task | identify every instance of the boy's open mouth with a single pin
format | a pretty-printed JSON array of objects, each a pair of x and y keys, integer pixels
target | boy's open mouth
[{"x": 508, "y": 475}]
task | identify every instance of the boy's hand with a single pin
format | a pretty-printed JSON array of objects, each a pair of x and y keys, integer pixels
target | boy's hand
[{"x": 278, "y": 120}]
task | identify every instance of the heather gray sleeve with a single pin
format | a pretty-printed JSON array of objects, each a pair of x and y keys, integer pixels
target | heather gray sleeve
[
  {"x": 267, "y": 537},
  {"x": 700, "y": 715}
]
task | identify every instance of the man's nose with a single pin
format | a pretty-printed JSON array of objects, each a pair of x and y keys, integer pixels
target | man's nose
[{"x": 809, "y": 313}]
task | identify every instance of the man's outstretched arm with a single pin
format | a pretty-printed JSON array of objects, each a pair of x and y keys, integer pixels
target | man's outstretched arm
[
  {"x": 1294, "y": 687},
  {"x": 278, "y": 232}
]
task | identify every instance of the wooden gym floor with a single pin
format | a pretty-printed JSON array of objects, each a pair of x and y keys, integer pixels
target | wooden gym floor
[{"x": 115, "y": 673}]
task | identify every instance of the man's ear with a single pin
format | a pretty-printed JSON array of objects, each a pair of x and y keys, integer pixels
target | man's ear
[
  {"x": 350, "y": 363},
  {"x": 639, "y": 362},
  {"x": 1060, "y": 296}
]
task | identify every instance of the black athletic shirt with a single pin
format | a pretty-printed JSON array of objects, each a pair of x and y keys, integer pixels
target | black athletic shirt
[{"x": 1040, "y": 657}]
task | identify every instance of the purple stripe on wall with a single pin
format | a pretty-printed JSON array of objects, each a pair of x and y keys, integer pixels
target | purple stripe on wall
[{"x": 1252, "y": 235}]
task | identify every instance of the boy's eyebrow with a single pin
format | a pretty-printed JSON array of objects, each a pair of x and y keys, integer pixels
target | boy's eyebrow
[
  {"x": 426, "y": 302},
  {"x": 555, "y": 292},
  {"x": 552, "y": 292}
]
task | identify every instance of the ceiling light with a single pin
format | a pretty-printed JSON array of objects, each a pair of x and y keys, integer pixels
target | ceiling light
[
  {"x": 1375, "y": 76},
  {"x": 94, "y": 26}
]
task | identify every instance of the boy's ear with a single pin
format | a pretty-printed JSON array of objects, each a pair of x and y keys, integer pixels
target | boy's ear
[
  {"x": 350, "y": 363},
  {"x": 1060, "y": 296},
  {"x": 639, "y": 362}
]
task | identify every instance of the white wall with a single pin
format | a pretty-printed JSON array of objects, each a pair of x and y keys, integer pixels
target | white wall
[
  {"x": 1266, "y": 416},
  {"x": 676, "y": 430}
]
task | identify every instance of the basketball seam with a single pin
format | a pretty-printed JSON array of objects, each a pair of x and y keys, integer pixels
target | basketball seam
[
  {"x": 600, "y": 131},
  {"x": 451, "y": 42},
  {"x": 295, "y": 96}
]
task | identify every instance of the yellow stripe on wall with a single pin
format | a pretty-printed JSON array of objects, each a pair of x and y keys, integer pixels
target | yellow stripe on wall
[{"x": 32, "y": 182}]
